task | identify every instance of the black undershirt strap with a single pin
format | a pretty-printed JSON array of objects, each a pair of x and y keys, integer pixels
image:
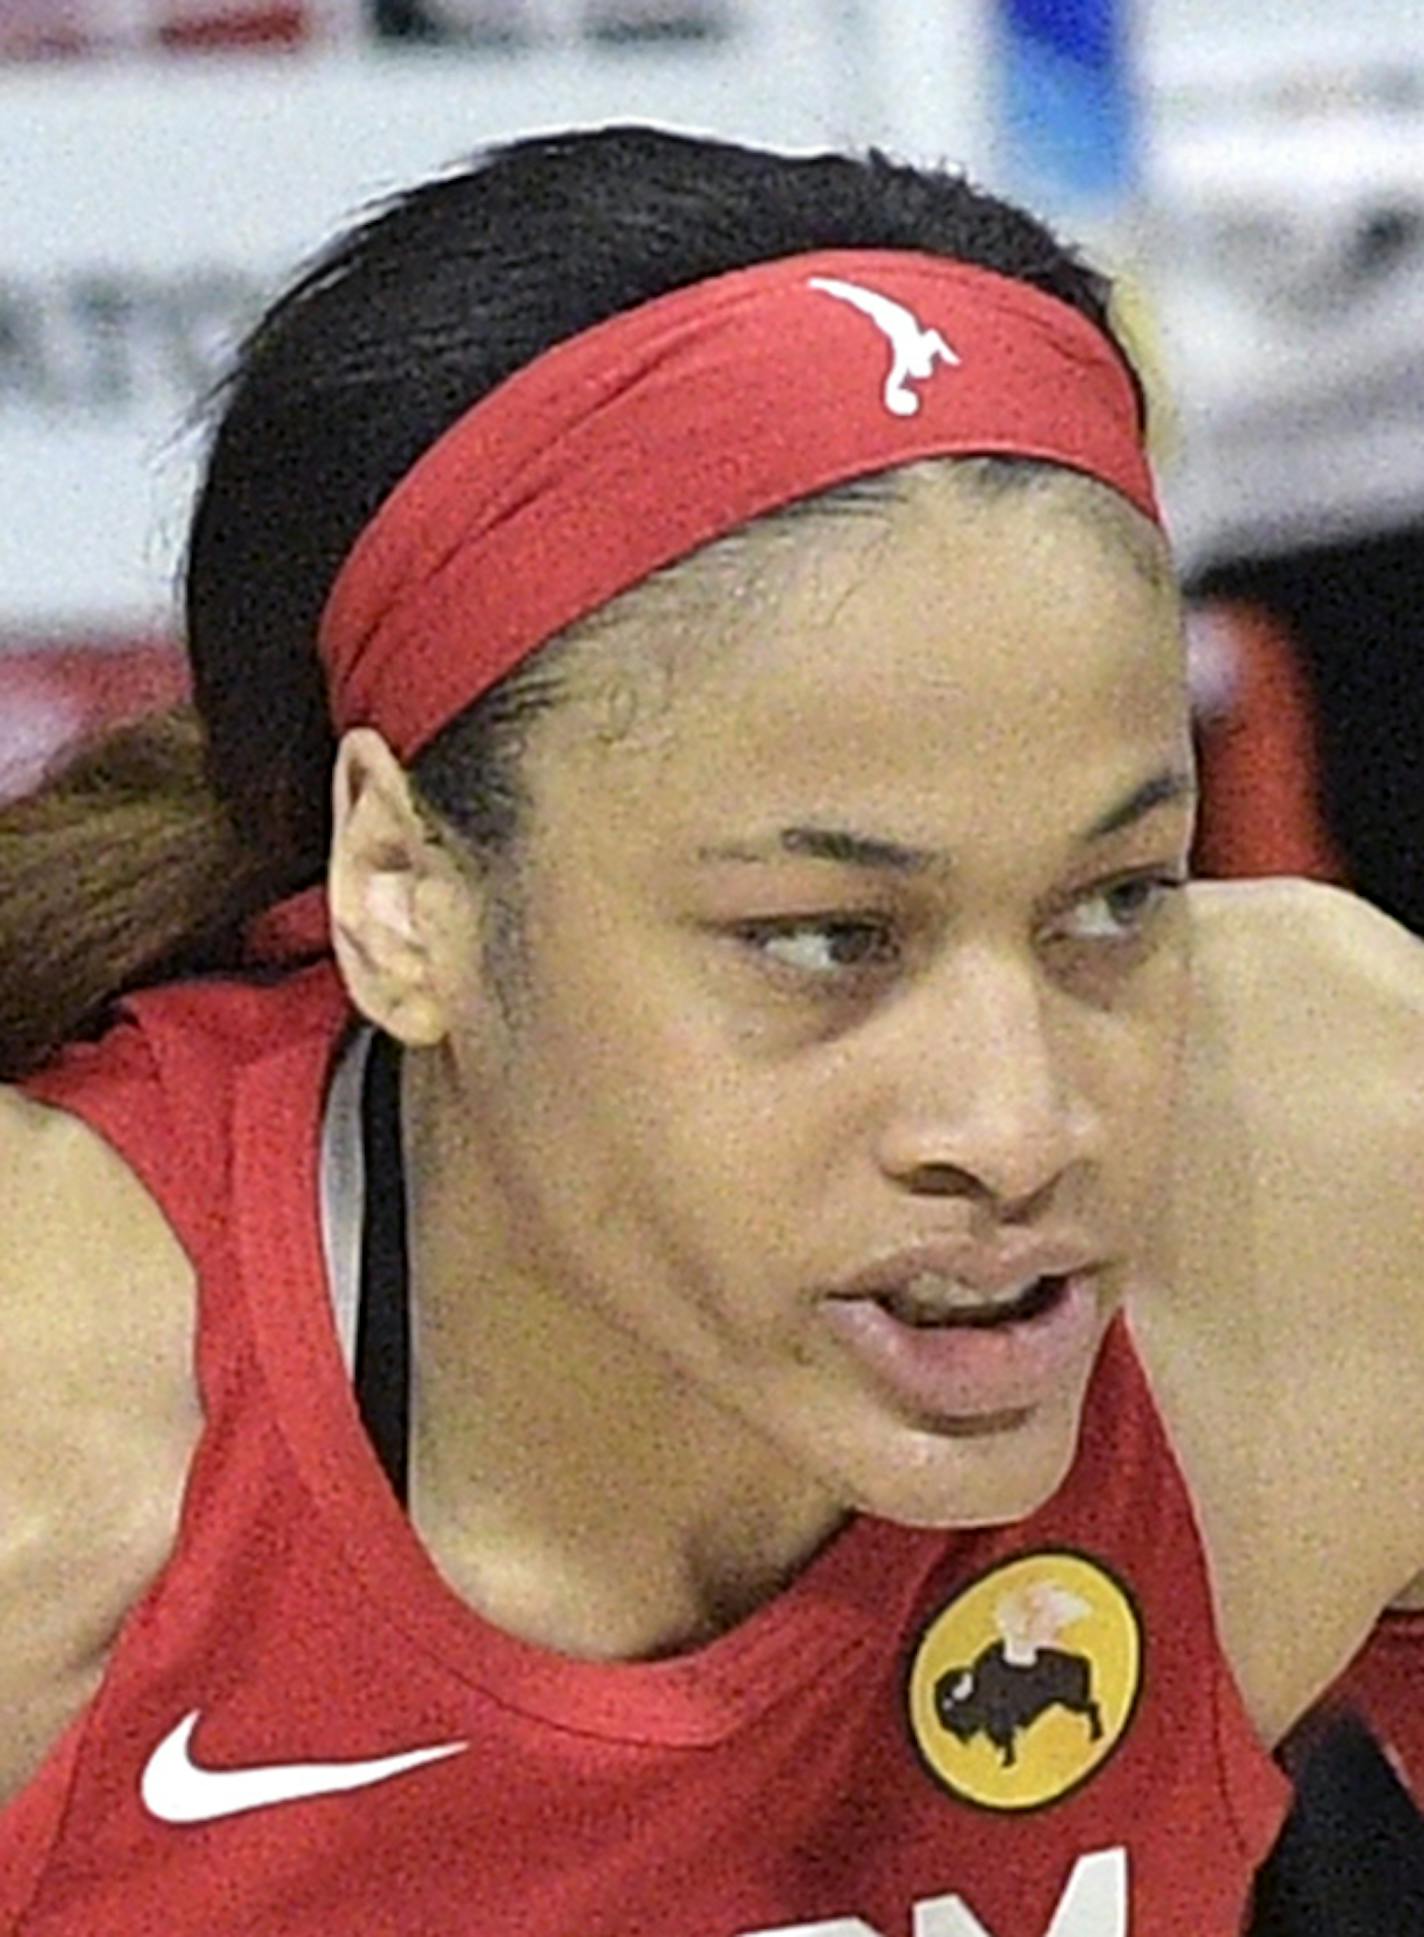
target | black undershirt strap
[{"x": 382, "y": 1373}]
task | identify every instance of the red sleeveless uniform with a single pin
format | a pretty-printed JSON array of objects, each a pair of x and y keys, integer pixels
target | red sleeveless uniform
[{"x": 1025, "y": 1731}]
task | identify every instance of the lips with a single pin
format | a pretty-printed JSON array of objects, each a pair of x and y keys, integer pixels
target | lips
[
  {"x": 959, "y": 1275},
  {"x": 951, "y": 1334},
  {"x": 930, "y": 1302}
]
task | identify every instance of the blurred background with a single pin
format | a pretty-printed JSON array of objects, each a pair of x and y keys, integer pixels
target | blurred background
[{"x": 1254, "y": 173}]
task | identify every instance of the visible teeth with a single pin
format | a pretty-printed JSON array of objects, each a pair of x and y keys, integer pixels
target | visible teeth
[
  {"x": 929, "y": 1288},
  {"x": 931, "y": 1299}
]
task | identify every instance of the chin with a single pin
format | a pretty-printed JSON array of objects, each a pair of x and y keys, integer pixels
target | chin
[{"x": 987, "y": 1473}]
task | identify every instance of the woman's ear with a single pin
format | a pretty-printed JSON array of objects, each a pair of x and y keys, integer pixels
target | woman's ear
[{"x": 402, "y": 909}]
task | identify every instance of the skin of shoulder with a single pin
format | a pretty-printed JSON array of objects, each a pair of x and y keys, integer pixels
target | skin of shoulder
[
  {"x": 1284, "y": 1321},
  {"x": 98, "y": 1414}
]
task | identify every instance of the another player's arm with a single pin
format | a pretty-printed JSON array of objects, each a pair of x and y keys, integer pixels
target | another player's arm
[
  {"x": 1285, "y": 1316},
  {"x": 1411, "y": 1597},
  {"x": 1392, "y": 960},
  {"x": 1367, "y": 1039},
  {"x": 97, "y": 1415}
]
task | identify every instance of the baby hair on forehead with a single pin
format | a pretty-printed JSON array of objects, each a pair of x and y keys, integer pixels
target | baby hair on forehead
[{"x": 628, "y": 658}]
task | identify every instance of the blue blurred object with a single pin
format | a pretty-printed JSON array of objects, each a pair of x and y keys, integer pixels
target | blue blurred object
[{"x": 1067, "y": 103}]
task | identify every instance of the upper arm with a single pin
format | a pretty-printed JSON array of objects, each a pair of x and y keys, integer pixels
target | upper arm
[
  {"x": 1288, "y": 1332},
  {"x": 97, "y": 1412},
  {"x": 1329, "y": 1082}
]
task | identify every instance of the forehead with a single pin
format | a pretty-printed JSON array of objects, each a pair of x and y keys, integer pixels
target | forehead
[{"x": 955, "y": 635}]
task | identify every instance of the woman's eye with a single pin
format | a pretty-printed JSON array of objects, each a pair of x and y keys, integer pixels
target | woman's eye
[
  {"x": 822, "y": 948},
  {"x": 1130, "y": 906}
]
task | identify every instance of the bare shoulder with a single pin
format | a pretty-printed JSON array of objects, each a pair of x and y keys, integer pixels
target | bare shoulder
[
  {"x": 1305, "y": 1072},
  {"x": 90, "y": 1264},
  {"x": 98, "y": 1413},
  {"x": 1308, "y": 1041},
  {"x": 1283, "y": 1333},
  {"x": 1307, "y": 1052},
  {"x": 1288, "y": 953}
]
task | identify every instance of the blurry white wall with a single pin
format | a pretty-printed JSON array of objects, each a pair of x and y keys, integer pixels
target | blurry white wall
[
  {"x": 1284, "y": 233},
  {"x": 149, "y": 205},
  {"x": 1270, "y": 36}
]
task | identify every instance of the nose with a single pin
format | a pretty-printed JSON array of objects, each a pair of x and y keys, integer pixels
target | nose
[{"x": 982, "y": 1101}]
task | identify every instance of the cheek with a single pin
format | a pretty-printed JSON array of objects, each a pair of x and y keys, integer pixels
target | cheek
[
  {"x": 1143, "y": 1089},
  {"x": 618, "y": 1113},
  {"x": 705, "y": 1177}
]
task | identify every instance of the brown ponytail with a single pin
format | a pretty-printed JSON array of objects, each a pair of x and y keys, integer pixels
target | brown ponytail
[{"x": 123, "y": 869}]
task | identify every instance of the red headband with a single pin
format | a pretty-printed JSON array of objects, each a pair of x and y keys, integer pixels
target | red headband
[{"x": 634, "y": 443}]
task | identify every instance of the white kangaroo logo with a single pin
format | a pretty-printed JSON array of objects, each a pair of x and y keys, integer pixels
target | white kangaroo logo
[{"x": 915, "y": 348}]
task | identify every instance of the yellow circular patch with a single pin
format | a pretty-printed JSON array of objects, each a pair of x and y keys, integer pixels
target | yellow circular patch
[{"x": 1024, "y": 1685}]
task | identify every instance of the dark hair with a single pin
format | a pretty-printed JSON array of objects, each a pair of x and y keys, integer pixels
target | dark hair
[{"x": 352, "y": 374}]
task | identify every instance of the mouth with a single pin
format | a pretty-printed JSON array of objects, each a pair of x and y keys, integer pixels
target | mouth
[
  {"x": 930, "y": 1304},
  {"x": 939, "y": 1351}
]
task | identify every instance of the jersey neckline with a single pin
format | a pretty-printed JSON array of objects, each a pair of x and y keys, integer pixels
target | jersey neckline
[{"x": 839, "y": 1602}]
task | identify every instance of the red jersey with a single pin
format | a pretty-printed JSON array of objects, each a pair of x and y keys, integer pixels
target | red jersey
[
  {"x": 1021, "y": 1731},
  {"x": 1385, "y": 1684}
]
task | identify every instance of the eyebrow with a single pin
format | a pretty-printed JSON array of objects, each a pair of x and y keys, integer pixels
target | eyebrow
[{"x": 850, "y": 849}]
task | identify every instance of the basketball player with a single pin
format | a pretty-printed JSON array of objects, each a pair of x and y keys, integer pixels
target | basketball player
[{"x": 693, "y": 1292}]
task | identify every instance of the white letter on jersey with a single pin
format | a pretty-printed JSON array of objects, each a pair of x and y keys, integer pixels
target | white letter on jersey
[
  {"x": 915, "y": 348},
  {"x": 1094, "y": 1904}
]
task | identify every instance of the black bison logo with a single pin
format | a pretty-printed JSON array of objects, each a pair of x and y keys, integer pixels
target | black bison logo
[{"x": 999, "y": 1698}]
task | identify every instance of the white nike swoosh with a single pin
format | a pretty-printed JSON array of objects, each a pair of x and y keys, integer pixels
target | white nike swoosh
[{"x": 176, "y": 1790}]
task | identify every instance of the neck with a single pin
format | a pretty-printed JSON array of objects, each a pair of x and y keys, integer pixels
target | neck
[{"x": 571, "y": 1484}]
